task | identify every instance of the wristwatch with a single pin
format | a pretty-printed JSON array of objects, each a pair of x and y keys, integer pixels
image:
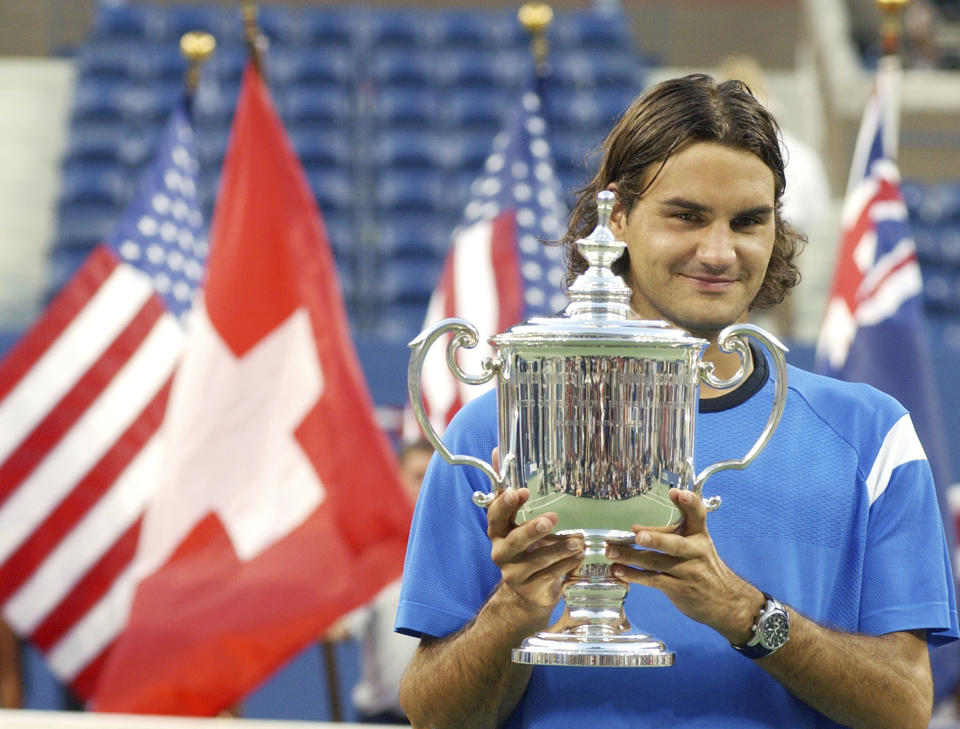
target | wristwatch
[{"x": 771, "y": 630}]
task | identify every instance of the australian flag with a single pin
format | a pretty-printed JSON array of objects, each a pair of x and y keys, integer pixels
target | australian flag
[
  {"x": 875, "y": 330},
  {"x": 498, "y": 271}
]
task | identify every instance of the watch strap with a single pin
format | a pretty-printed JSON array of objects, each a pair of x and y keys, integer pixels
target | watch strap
[{"x": 754, "y": 649}]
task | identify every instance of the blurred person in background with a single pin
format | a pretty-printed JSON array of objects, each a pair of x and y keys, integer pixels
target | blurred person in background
[
  {"x": 11, "y": 669},
  {"x": 384, "y": 653}
]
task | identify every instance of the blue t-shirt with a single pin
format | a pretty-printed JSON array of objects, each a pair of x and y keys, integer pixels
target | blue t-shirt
[{"x": 836, "y": 517}]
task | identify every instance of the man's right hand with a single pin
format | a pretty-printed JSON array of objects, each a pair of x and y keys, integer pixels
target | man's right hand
[{"x": 532, "y": 561}]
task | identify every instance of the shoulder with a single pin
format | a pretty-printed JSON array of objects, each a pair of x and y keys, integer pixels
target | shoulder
[
  {"x": 843, "y": 404},
  {"x": 475, "y": 423},
  {"x": 871, "y": 422}
]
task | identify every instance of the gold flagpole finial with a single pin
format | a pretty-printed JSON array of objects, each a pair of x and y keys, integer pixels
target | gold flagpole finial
[
  {"x": 891, "y": 12},
  {"x": 535, "y": 19},
  {"x": 196, "y": 46},
  {"x": 256, "y": 41}
]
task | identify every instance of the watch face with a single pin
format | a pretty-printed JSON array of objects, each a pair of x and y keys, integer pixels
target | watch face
[{"x": 775, "y": 630}]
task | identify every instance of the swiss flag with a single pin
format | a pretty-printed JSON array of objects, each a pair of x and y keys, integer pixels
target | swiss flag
[{"x": 279, "y": 506}]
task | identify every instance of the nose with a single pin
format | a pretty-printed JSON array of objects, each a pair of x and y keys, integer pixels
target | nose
[{"x": 716, "y": 250}]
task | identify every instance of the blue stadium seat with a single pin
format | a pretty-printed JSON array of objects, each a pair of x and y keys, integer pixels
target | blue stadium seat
[
  {"x": 307, "y": 104},
  {"x": 322, "y": 147},
  {"x": 408, "y": 280},
  {"x": 400, "y": 321},
  {"x": 461, "y": 28},
  {"x": 592, "y": 70},
  {"x": 404, "y": 107},
  {"x": 467, "y": 150},
  {"x": 404, "y": 149},
  {"x": 109, "y": 144},
  {"x": 590, "y": 30},
  {"x": 62, "y": 263},
  {"x": 328, "y": 27},
  {"x": 504, "y": 68},
  {"x": 283, "y": 25},
  {"x": 94, "y": 184},
  {"x": 332, "y": 189},
  {"x": 343, "y": 241},
  {"x": 82, "y": 226},
  {"x": 396, "y": 28},
  {"x": 941, "y": 288},
  {"x": 402, "y": 67},
  {"x": 399, "y": 236},
  {"x": 940, "y": 203},
  {"x": 106, "y": 59},
  {"x": 296, "y": 65},
  {"x": 223, "y": 22},
  {"x": 418, "y": 191},
  {"x": 226, "y": 65},
  {"x": 472, "y": 108},
  {"x": 137, "y": 21}
]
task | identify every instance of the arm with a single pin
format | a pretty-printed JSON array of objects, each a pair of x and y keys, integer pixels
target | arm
[
  {"x": 467, "y": 679},
  {"x": 11, "y": 680},
  {"x": 863, "y": 681}
]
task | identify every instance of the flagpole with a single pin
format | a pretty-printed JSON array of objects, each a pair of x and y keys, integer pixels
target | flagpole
[
  {"x": 535, "y": 19},
  {"x": 257, "y": 42},
  {"x": 197, "y": 47}
]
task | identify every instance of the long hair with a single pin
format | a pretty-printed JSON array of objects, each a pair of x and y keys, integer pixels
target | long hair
[{"x": 660, "y": 123}]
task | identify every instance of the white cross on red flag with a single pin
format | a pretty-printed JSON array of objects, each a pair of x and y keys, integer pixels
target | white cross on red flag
[
  {"x": 243, "y": 503},
  {"x": 279, "y": 506}
]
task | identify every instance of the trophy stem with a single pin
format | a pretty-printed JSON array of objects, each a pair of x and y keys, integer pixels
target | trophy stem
[{"x": 593, "y": 630}]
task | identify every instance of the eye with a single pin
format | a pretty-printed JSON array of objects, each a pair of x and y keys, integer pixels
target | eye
[
  {"x": 746, "y": 221},
  {"x": 687, "y": 217}
]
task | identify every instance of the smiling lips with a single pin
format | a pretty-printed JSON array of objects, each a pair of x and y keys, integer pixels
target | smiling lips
[{"x": 708, "y": 282}]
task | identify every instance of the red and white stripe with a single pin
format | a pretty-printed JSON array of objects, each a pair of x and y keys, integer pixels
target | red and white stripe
[
  {"x": 481, "y": 283},
  {"x": 82, "y": 397}
]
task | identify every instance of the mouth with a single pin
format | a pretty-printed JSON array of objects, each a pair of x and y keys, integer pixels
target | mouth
[{"x": 704, "y": 282}]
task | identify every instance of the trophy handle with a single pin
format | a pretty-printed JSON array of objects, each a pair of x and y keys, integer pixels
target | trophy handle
[
  {"x": 733, "y": 339},
  {"x": 464, "y": 335}
]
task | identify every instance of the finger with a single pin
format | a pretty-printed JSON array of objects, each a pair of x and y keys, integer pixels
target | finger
[
  {"x": 660, "y": 580},
  {"x": 530, "y": 565},
  {"x": 503, "y": 510},
  {"x": 646, "y": 559},
  {"x": 495, "y": 459},
  {"x": 519, "y": 539},
  {"x": 693, "y": 509}
]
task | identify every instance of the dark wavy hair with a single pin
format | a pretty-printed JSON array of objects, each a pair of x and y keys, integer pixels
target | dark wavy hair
[{"x": 661, "y": 122}]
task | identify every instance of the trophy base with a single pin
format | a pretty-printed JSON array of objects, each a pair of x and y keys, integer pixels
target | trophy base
[{"x": 613, "y": 651}]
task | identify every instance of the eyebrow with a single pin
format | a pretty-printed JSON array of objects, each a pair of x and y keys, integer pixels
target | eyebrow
[{"x": 681, "y": 202}]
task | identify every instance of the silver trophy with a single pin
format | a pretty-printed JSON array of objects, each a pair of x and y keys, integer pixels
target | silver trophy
[{"x": 596, "y": 417}]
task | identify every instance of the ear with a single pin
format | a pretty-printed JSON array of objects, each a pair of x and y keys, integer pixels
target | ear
[{"x": 618, "y": 218}]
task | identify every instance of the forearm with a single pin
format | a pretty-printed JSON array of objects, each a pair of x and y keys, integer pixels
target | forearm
[
  {"x": 859, "y": 681},
  {"x": 467, "y": 679}
]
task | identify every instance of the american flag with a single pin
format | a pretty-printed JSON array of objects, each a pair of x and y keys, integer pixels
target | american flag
[
  {"x": 498, "y": 271},
  {"x": 874, "y": 329},
  {"x": 82, "y": 397}
]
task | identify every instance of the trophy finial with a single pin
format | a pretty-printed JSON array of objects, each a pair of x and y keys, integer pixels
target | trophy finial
[
  {"x": 605, "y": 200},
  {"x": 598, "y": 292}
]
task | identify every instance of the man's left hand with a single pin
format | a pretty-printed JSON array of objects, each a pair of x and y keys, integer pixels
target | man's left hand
[{"x": 682, "y": 562}]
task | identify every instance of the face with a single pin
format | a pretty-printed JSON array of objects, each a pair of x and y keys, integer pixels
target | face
[
  {"x": 412, "y": 470},
  {"x": 700, "y": 238}
]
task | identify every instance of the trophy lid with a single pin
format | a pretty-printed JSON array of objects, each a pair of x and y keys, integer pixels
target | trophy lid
[{"x": 599, "y": 310}]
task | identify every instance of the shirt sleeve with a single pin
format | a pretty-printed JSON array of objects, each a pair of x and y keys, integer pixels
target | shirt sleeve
[
  {"x": 900, "y": 591},
  {"x": 448, "y": 573}
]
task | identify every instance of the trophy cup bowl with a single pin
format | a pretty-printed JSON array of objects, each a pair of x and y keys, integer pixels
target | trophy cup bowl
[{"x": 596, "y": 416}]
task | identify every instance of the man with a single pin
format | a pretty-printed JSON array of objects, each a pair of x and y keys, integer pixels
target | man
[{"x": 835, "y": 524}]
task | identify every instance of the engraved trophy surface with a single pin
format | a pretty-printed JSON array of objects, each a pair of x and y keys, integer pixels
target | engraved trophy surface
[{"x": 596, "y": 416}]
